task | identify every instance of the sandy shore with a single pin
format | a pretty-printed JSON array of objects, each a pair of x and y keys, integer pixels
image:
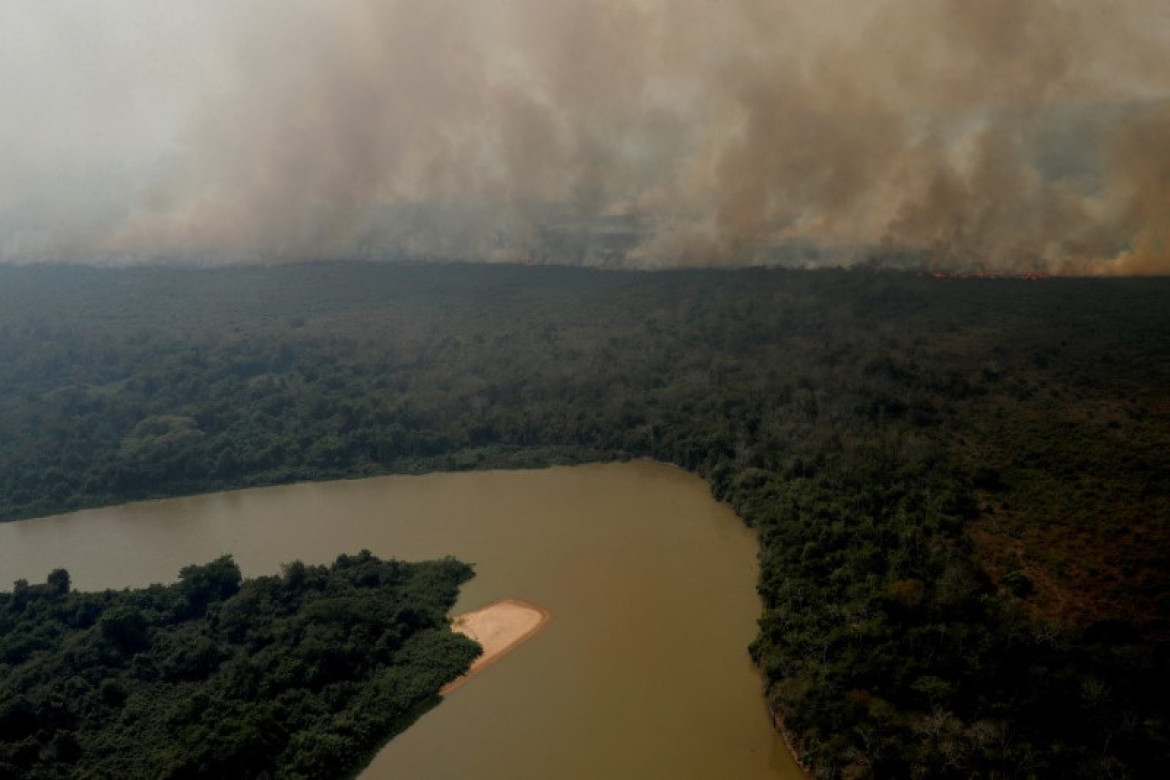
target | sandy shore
[{"x": 500, "y": 628}]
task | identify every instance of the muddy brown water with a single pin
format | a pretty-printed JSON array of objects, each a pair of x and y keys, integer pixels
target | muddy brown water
[{"x": 642, "y": 672}]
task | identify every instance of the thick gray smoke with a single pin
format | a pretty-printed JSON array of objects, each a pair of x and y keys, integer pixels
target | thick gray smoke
[{"x": 996, "y": 135}]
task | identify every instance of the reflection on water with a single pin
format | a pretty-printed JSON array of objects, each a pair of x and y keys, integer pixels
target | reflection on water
[{"x": 642, "y": 672}]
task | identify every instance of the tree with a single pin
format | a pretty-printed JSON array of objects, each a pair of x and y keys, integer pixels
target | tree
[
  {"x": 202, "y": 585},
  {"x": 125, "y": 627},
  {"x": 59, "y": 582}
]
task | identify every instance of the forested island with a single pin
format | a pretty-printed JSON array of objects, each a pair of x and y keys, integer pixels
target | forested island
[
  {"x": 960, "y": 486},
  {"x": 304, "y": 674}
]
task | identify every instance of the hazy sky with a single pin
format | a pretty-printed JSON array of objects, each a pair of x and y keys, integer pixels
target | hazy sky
[{"x": 996, "y": 134}]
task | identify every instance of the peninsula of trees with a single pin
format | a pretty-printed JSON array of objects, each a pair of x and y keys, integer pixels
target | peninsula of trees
[{"x": 304, "y": 674}]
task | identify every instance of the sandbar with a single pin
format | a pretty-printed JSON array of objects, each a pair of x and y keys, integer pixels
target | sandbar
[{"x": 499, "y": 628}]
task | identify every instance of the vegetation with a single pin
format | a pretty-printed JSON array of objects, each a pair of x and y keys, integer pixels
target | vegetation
[
  {"x": 960, "y": 485},
  {"x": 299, "y": 675}
]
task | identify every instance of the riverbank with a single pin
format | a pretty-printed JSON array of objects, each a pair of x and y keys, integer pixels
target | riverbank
[{"x": 499, "y": 628}]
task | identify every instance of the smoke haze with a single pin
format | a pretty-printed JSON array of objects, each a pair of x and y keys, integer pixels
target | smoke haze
[{"x": 995, "y": 135}]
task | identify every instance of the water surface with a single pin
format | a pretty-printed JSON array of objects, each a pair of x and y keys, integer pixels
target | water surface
[{"x": 642, "y": 672}]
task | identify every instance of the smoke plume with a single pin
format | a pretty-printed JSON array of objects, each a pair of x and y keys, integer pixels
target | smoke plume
[{"x": 997, "y": 135}]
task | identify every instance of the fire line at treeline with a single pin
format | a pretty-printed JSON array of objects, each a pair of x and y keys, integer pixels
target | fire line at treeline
[{"x": 1030, "y": 275}]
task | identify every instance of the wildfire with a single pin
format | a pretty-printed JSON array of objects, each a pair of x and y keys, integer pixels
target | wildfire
[{"x": 1029, "y": 275}]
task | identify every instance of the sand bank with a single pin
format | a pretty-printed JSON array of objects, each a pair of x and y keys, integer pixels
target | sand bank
[{"x": 500, "y": 628}]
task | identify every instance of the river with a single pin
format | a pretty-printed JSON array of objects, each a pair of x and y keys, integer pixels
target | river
[{"x": 642, "y": 672}]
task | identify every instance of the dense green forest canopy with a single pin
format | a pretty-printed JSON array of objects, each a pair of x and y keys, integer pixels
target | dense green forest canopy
[
  {"x": 961, "y": 486},
  {"x": 304, "y": 674}
]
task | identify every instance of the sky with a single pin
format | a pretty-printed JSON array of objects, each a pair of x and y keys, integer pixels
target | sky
[{"x": 1000, "y": 135}]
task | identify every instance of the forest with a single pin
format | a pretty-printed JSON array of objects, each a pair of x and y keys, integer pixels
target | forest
[
  {"x": 961, "y": 486},
  {"x": 304, "y": 674}
]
